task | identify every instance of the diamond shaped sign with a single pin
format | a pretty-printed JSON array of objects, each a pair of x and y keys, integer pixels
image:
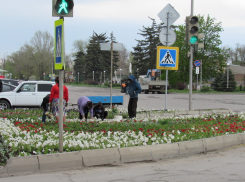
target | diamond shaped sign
[{"x": 173, "y": 14}]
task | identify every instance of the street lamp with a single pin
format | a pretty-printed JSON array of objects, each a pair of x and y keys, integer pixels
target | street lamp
[
  {"x": 227, "y": 76},
  {"x": 137, "y": 73},
  {"x": 78, "y": 76},
  {"x": 120, "y": 75},
  {"x": 93, "y": 75},
  {"x": 104, "y": 76}
]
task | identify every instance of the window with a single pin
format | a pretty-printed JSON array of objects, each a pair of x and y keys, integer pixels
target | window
[
  {"x": 6, "y": 88},
  {"x": 28, "y": 87},
  {"x": 44, "y": 87}
]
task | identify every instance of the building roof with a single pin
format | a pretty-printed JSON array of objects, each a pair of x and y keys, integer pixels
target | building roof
[{"x": 236, "y": 69}]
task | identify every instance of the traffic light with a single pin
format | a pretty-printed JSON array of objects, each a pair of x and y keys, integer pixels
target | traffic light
[
  {"x": 63, "y": 8},
  {"x": 192, "y": 30}
]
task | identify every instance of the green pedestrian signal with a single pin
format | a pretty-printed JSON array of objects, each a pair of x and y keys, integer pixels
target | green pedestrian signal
[{"x": 63, "y": 8}]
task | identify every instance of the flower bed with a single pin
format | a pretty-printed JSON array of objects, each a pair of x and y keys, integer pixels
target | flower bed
[{"x": 22, "y": 133}]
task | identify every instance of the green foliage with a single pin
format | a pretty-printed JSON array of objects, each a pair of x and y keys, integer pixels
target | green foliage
[
  {"x": 220, "y": 82},
  {"x": 144, "y": 55},
  {"x": 205, "y": 88},
  {"x": 213, "y": 57},
  {"x": 97, "y": 61},
  {"x": 91, "y": 82},
  {"x": 33, "y": 58},
  {"x": 107, "y": 84}
]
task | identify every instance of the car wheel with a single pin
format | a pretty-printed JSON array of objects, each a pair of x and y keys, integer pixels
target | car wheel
[{"x": 4, "y": 105}]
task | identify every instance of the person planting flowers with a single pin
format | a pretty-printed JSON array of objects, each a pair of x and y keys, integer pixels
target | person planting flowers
[{"x": 84, "y": 106}]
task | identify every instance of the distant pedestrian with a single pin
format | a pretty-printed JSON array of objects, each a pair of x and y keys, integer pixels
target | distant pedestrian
[
  {"x": 85, "y": 106},
  {"x": 133, "y": 90},
  {"x": 54, "y": 99},
  {"x": 99, "y": 111}
]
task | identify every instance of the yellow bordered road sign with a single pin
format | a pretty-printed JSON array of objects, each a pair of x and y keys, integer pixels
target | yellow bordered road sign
[
  {"x": 167, "y": 58},
  {"x": 59, "y": 60}
]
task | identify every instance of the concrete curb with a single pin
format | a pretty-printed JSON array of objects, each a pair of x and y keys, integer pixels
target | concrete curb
[
  {"x": 115, "y": 156},
  {"x": 180, "y": 113}
]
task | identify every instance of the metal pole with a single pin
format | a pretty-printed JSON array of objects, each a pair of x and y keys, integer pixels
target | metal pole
[
  {"x": 120, "y": 76},
  {"x": 104, "y": 76},
  {"x": 191, "y": 62},
  {"x": 111, "y": 73},
  {"x": 78, "y": 77},
  {"x": 227, "y": 77},
  {"x": 61, "y": 73},
  {"x": 166, "y": 86},
  {"x": 201, "y": 76},
  {"x": 93, "y": 75},
  {"x": 197, "y": 81}
]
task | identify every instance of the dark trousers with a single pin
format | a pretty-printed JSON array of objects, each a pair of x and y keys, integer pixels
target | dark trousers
[
  {"x": 44, "y": 115},
  {"x": 99, "y": 115},
  {"x": 85, "y": 111},
  {"x": 132, "y": 106}
]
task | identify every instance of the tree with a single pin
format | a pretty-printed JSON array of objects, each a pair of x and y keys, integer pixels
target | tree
[
  {"x": 41, "y": 52},
  {"x": 145, "y": 51},
  {"x": 220, "y": 82},
  {"x": 213, "y": 57},
  {"x": 237, "y": 55},
  {"x": 122, "y": 64},
  {"x": 80, "y": 64},
  {"x": 98, "y": 60}
]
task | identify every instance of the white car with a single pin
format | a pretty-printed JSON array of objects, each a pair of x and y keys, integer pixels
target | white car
[{"x": 27, "y": 94}]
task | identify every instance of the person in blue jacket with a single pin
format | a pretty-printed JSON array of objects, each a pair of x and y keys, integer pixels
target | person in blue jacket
[{"x": 133, "y": 90}]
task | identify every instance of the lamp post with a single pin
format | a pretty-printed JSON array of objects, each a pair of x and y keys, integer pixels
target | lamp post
[
  {"x": 84, "y": 75},
  {"x": 120, "y": 75},
  {"x": 137, "y": 74},
  {"x": 104, "y": 76},
  {"x": 78, "y": 76},
  {"x": 93, "y": 75},
  {"x": 228, "y": 76}
]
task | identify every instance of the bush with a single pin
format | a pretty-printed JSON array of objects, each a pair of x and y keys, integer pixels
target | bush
[
  {"x": 205, "y": 88},
  {"x": 92, "y": 82},
  {"x": 220, "y": 82},
  {"x": 116, "y": 85},
  {"x": 107, "y": 84},
  {"x": 181, "y": 86}
]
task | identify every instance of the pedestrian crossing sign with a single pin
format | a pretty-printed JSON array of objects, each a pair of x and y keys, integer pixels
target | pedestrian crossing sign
[
  {"x": 59, "y": 60},
  {"x": 167, "y": 58}
]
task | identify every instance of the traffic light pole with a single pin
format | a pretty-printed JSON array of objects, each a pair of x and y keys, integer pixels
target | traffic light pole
[
  {"x": 191, "y": 63},
  {"x": 61, "y": 81}
]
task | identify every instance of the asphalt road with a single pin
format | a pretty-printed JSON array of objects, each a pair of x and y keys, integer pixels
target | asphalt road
[{"x": 235, "y": 102}]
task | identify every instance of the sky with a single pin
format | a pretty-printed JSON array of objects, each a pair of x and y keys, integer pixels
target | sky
[{"x": 20, "y": 19}]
